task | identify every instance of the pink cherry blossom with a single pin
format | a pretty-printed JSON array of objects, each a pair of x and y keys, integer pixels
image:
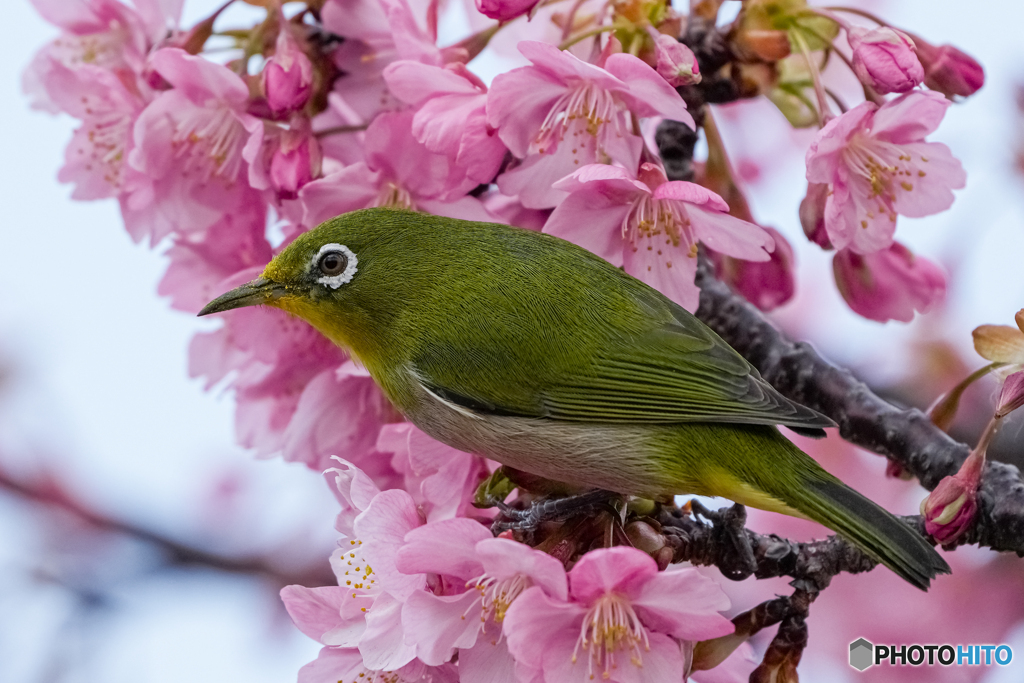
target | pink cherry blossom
[
  {"x": 561, "y": 113},
  {"x": 884, "y": 59},
  {"x": 288, "y": 74},
  {"x": 889, "y": 284},
  {"x": 189, "y": 142},
  {"x": 364, "y": 609},
  {"x": 346, "y": 665},
  {"x": 652, "y": 226},
  {"x": 622, "y": 622},
  {"x": 766, "y": 284},
  {"x": 95, "y": 157},
  {"x": 442, "y": 479},
  {"x": 399, "y": 171},
  {"x": 450, "y": 117},
  {"x": 479, "y": 578},
  {"x": 354, "y": 490},
  {"x": 103, "y": 34},
  {"x": 676, "y": 63},
  {"x": 377, "y": 32},
  {"x": 877, "y": 165}
]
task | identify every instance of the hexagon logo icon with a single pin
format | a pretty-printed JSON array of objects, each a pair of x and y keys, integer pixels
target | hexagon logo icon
[{"x": 862, "y": 654}]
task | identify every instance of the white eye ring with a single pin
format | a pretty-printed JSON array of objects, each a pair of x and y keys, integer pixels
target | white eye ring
[{"x": 335, "y": 281}]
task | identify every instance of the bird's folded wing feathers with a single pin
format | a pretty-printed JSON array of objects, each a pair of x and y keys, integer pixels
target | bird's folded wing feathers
[{"x": 679, "y": 371}]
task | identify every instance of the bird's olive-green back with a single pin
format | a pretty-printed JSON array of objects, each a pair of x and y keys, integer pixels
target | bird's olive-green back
[{"x": 510, "y": 321}]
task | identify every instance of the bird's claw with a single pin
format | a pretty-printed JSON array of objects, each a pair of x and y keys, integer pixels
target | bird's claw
[{"x": 549, "y": 510}]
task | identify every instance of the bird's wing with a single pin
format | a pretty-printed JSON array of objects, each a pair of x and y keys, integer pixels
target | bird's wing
[{"x": 677, "y": 370}]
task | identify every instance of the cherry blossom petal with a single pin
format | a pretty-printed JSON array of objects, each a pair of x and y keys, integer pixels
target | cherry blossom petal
[
  {"x": 535, "y": 624},
  {"x": 685, "y": 604},
  {"x": 315, "y": 611},
  {"x": 383, "y": 645},
  {"x": 413, "y": 82},
  {"x": 910, "y": 117},
  {"x": 353, "y": 489},
  {"x": 568, "y": 67},
  {"x": 198, "y": 78},
  {"x": 518, "y": 103},
  {"x": 675, "y": 281},
  {"x": 649, "y": 94},
  {"x": 437, "y": 624},
  {"x": 488, "y": 661},
  {"x": 502, "y": 557},
  {"x": 354, "y": 187},
  {"x": 730, "y": 235},
  {"x": 824, "y": 151},
  {"x": 933, "y": 192},
  {"x": 445, "y": 547},
  {"x": 691, "y": 193},
  {"x": 590, "y": 219},
  {"x": 620, "y": 569},
  {"x": 382, "y": 528}
]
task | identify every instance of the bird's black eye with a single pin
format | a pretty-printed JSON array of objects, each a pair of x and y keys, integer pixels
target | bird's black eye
[{"x": 333, "y": 263}]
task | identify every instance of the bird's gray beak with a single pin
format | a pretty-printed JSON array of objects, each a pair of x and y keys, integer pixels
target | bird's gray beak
[{"x": 259, "y": 291}]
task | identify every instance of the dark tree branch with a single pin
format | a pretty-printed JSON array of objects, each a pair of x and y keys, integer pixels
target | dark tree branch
[
  {"x": 906, "y": 436},
  {"x": 811, "y": 565}
]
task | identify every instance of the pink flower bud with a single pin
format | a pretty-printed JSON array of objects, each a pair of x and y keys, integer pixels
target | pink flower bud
[
  {"x": 812, "y": 214},
  {"x": 889, "y": 284},
  {"x": 884, "y": 59},
  {"x": 676, "y": 63},
  {"x": 294, "y": 163},
  {"x": 950, "y": 509},
  {"x": 1011, "y": 396},
  {"x": 503, "y": 10},
  {"x": 766, "y": 284},
  {"x": 287, "y": 76},
  {"x": 948, "y": 70}
]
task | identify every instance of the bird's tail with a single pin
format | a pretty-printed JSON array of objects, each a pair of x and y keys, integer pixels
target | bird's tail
[{"x": 817, "y": 495}]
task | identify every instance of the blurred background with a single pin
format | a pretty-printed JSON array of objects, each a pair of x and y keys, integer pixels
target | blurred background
[{"x": 138, "y": 542}]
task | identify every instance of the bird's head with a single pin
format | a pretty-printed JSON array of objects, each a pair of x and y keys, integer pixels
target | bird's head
[{"x": 331, "y": 276}]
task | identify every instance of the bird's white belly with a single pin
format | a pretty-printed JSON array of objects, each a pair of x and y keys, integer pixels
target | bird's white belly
[{"x": 611, "y": 457}]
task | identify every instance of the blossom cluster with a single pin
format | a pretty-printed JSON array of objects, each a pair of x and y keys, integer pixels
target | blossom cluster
[
  {"x": 427, "y": 594},
  {"x": 329, "y": 106}
]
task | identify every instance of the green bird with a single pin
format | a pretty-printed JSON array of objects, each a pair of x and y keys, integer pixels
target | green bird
[{"x": 529, "y": 350}]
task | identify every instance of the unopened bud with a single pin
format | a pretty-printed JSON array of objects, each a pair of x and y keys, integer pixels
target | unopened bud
[
  {"x": 766, "y": 284},
  {"x": 884, "y": 59},
  {"x": 1011, "y": 396},
  {"x": 676, "y": 63},
  {"x": 288, "y": 75},
  {"x": 948, "y": 70},
  {"x": 950, "y": 509}
]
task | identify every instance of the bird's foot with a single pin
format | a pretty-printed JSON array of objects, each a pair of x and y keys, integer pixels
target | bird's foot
[
  {"x": 730, "y": 533},
  {"x": 552, "y": 510}
]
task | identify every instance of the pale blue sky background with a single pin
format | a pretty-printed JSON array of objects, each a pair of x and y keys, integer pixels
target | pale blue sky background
[{"x": 100, "y": 379}]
